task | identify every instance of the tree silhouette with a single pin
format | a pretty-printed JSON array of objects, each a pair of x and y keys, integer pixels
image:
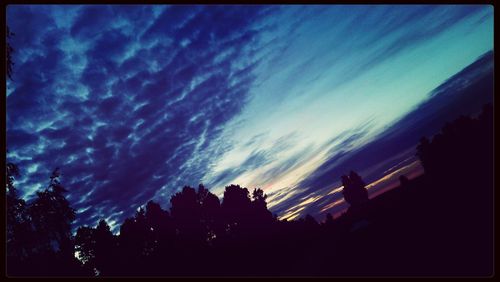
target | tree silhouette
[
  {"x": 42, "y": 242},
  {"x": 329, "y": 219},
  {"x": 261, "y": 216},
  {"x": 236, "y": 206},
  {"x": 423, "y": 152},
  {"x": 133, "y": 242},
  {"x": 105, "y": 248},
  {"x": 96, "y": 248},
  {"x": 85, "y": 246},
  {"x": 15, "y": 206},
  {"x": 8, "y": 53},
  {"x": 186, "y": 213},
  {"x": 51, "y": 217},
  {"x": 18, "y": 229},
  {"x": 160, "y": 225},
  {"x": 403, "y": 180},
  {"x": 463, "y": 140},
  {"x": 210, "y": 211},
  {"x": 354, "y": 190}
]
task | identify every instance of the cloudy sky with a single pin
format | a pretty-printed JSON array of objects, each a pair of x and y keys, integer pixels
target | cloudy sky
[{"x": 134, "y": 102}]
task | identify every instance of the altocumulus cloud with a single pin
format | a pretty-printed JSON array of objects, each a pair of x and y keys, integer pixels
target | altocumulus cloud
[
  {"x": 125, "y": 99},
  {"x": 134, "y": 102}
]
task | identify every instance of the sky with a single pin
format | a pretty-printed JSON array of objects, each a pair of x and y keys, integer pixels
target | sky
[{"x": 134, "y": 102}]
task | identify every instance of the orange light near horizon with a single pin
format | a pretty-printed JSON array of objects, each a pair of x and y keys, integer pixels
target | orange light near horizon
[
  {"x": 331, "y": 205},
  {"x": 383, "y": 184}
]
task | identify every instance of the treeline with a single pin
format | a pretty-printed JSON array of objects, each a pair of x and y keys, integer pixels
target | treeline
[
  {"x": 39, "y": 239},
  {"x": 439, "y": 224},
  {"x": 459, "y": 162}
]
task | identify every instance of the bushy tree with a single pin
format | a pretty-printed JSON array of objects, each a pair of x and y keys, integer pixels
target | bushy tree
[
  {"x": 354, "y": 190},
  {"x": 51, "y": 216},
  {"x": 259, "y": 206},
  {"x": 85, "y": 246},
  {"x": 18, "y": 233},
  {"x": 236, "y": 206},
  {"x": 186, "y": 213}
]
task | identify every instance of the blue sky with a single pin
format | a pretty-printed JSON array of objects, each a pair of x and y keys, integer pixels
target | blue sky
[{"x": 134, "y": 102}]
